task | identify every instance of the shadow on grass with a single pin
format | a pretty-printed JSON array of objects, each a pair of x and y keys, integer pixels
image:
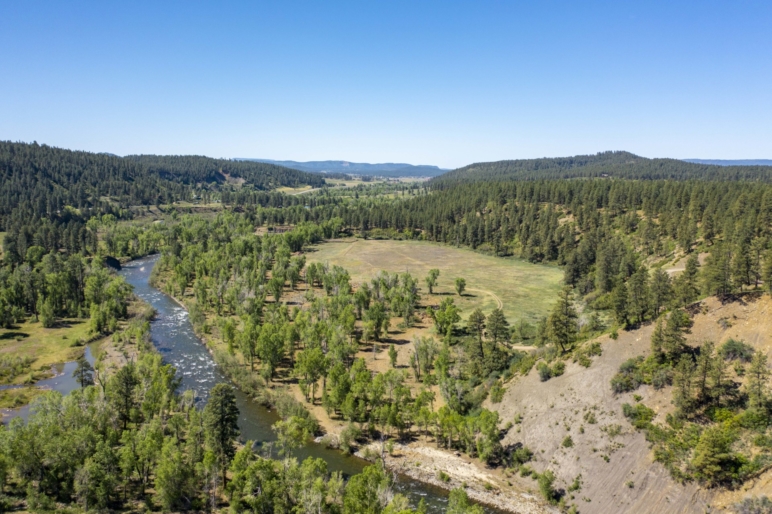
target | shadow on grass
[{"x": 14, "y": 335}]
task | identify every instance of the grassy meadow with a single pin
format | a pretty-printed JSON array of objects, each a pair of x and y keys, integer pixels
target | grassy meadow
[
  {"x": 47, "y": 346},
  {"x": 524, "y": 290}
]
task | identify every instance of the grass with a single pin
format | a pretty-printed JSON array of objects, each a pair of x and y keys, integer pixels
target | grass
[
  {"x": 14, "y": 398},
  {"x": 293, "y": 190},
  {"x": 48, "y": 346},
  {"x": 525, "y": 290}
]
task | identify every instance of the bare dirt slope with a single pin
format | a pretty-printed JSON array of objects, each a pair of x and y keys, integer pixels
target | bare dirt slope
[{"x": 618, "y": 472}]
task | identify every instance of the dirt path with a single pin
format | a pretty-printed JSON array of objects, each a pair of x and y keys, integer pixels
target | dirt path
[{"x": 498, "y": 300}]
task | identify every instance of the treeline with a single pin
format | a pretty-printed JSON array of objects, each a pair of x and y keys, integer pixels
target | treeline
[
  {"x": 193, "y": 169},
  {"x": 47, "y": 194},
  {"x": 601, "y": 231},
  {"x": 52, "y": 286},
  {"x": 624, "y": 165}
]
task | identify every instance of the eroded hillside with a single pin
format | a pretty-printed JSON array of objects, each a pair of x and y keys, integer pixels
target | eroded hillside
[{"x": 618, "y": 472}]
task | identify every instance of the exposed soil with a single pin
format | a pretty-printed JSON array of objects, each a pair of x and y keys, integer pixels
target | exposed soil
[{"x": 618, "y": 471}]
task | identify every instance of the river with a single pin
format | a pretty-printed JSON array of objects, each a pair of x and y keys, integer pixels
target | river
[{"x": 172, "y": 334}]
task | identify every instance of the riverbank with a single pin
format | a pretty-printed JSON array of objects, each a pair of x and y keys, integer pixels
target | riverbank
[{"x": 450, "y": 470}]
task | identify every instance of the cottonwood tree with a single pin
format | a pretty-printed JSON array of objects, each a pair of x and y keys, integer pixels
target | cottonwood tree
[
  {"x": 460, "y": 286},
  {"x": 431, "y": 279}
]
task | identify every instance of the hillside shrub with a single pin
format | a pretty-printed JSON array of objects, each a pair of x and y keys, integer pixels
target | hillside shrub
[
  {"x": 497, "y": 392},
  {"x": 629, "y": 377},
  {"x": 639, "y": 415},
  {"x": 545, "y": 373},
  {"x": 736, "y": 350}
]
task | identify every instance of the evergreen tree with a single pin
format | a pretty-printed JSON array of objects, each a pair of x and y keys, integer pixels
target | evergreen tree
[
  {"x": 84, "y": 373},
  {"x": 498, "y": 327},
  {"x": 661, "y": 290},
  {"x": 758, "y": 381},
  {"x": 562, "y": 321},
  {"x": 221, "y": 427}
]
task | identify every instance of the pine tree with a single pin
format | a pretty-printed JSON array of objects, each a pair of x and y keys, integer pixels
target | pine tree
[
  {"x": 677, "y": 325},
  {"x": 661, "y": 290},
  {"x": 682, "y": 385},
  {"x": 562, "y": 321},
  {"x": 658, "y": 340},
  {"x": 221, "y": 427},
  {"x": 703, "y": 372},
  {"x": 498, "y": 327},
  {"x": 619, "y": 304},
  {"x": 758, "y": 381},
  {"x": 638, "y": 295},
  {"x": 718, "y": 378}
]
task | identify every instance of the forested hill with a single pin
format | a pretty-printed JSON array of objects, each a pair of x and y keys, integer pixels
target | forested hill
[
  {"x": 606, "y": 164},
  {"x": 191, "y": 169},
  {"x": 47, "y": 194},
  {"x": 40, "y": 181}
]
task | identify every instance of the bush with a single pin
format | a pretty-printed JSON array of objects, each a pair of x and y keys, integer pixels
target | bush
[
  {"x": 629, "y": 376},
  {"x": 754, "y": 505},
  {"x": 567, "y": 442},
  {"x": 545, "y": 373},
  {"x": 348, "y": 437},
  {"x": 558, "y": 369},
  {"x": 497, "y": 392},
  {"x": 546, "y": 481},
  {"x": 661, "y": 378},
  {"x": 639, "y": 415},
  {"x": 736, "y": 350},
  {"x": 521, "y": 456}
]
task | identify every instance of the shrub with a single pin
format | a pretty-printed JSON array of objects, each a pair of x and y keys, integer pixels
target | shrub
[
  {"x": 567, "y": 442},
  {"x": 754, "y": 505},
  {"x": 545, "y": 373},
  {"x": 661, "y": 378},
  {"x": 348, "y": 437},
  {"x": 629, "y": 376},
  {"x": 736, "y": 350},
  {"x": 521, "y": 456},
  {"x": 497, "y": 392},
  {"x": 546, "y": 481},
  {"x": 639, "y": 415},
  {"x": 558, "y": 369}
]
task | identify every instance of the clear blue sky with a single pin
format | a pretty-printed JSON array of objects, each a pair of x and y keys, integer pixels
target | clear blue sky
[{"x": 445, "y": 83}]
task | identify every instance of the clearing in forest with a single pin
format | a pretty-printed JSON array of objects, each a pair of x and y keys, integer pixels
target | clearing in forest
[{"x": 525, "y": 290}]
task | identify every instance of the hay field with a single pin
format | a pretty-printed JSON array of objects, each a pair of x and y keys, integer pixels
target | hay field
[{"x": 524, "y": 290}]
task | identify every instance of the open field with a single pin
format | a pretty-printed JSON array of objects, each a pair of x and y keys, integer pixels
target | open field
[
  {"x": 48, "y": 346},
  {"x": 524, "y": 290},
  {"x": 293, "y": 190}
]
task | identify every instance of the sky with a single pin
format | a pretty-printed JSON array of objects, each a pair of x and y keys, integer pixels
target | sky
[{"x": 445, "y": 83}]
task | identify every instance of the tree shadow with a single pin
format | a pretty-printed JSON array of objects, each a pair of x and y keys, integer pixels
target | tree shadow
[{"x": 13, "y": 335}]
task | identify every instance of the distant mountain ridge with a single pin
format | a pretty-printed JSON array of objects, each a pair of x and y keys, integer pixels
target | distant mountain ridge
[
  {"x": 386, "y": 169},
  {"x": 732, "y": 162},
  {"x": 616, "y": 164}
]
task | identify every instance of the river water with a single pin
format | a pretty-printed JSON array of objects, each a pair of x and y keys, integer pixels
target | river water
[{"x": 172, "y": 334}]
